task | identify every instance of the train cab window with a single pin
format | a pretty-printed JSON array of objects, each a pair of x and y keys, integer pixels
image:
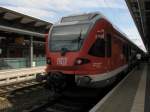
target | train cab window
[
  {"x": 108, "y": 45},
  {"x": 98, "y": 48}
]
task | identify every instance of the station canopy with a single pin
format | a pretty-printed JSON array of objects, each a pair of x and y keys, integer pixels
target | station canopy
[
  {"x": 140, "y": 11},
  {"x": 14, "y": 22}
]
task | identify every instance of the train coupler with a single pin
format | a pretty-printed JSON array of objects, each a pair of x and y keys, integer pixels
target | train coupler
[{"x": 56, "y": 81}]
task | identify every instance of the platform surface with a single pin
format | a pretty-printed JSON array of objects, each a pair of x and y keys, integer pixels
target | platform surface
[
  {"x": 129, "y": 95},
  {"x": 8, "y": 71},
  {"x": 11, "y": 76}
]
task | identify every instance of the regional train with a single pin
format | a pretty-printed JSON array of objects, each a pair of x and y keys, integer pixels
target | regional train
[{"x": 86, "y": 50}]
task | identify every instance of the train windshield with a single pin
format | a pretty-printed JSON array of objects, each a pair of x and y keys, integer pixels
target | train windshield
[{"x": 68, "y": 37}]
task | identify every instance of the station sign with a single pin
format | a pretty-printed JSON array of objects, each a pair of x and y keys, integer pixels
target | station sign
[
  {"x": 19, "y": 40},
  {"x": 100, "y": 34}
]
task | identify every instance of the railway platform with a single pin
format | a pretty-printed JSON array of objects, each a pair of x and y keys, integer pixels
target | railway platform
[
  {"x": 19, "y": 75},
  {"x": 132, "y": 94}
]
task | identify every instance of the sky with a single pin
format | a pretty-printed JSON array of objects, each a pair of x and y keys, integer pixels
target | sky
[{"x": 52, "y": 11}]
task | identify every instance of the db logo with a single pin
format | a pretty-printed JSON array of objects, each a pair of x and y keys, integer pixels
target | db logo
[{"x": 61, "y": 61}]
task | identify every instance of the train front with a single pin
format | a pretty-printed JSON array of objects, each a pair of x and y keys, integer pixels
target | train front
[{"x": 65, "y": 56}]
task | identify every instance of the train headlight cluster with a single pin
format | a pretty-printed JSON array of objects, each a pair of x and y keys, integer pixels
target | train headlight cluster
[{"x": 81, "y": 61}]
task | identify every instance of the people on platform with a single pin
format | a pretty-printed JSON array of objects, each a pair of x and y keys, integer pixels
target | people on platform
[{"x": 138, "y": 57}]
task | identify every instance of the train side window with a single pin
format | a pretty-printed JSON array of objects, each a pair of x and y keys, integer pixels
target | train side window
[
  {"x": 98, "y": 48},
  {"x": 126, "y": 51},
  {"x": 108, "y": 45},
  {"x": 129, "y": 50}
]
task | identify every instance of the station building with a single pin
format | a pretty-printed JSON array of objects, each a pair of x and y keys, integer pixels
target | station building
[{"x": 22, "y": 40}]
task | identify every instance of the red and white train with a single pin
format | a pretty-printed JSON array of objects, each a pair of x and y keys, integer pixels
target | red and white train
[{"x": 86, "y": 50}]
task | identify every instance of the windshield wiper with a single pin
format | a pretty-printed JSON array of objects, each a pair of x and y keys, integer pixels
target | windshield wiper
[{"x": 79, "y": 38}]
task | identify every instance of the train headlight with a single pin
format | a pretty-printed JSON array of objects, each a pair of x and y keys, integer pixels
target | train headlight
[
  {"x": 48, "y": 61},
  {"x": 81, "y": 61}
]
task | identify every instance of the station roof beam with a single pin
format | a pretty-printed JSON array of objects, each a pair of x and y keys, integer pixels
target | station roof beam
[
  {"x": 19, "y": 23},
  {"x": 140, "y": 11}
]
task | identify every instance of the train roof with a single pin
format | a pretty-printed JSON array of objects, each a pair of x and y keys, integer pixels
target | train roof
[
  {"x": 81, "y": 17},
  {"x": 92, "y": 17},
  {"x": 125, "y": 37}
]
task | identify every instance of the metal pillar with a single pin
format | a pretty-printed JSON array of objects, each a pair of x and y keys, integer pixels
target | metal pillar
[{"x": 31, "y": 51}]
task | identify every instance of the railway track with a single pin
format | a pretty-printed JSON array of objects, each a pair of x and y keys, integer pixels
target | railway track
[
  {"x": 17, "y": 97},
  {"x": 13, "y": 88},
  {"x": 74, "y": 99}
]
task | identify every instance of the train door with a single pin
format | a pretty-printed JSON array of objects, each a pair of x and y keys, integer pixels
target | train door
[{"x": 108, "y": 44}]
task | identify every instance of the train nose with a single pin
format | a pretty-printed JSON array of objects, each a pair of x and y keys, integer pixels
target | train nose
[{"x": 82, "y": 80}]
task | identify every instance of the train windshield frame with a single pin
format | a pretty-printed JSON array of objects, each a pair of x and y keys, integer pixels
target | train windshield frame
[{"x": 69, "y": 37}]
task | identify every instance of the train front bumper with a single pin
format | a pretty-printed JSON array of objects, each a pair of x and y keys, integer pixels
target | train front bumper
[
  {"x": 87, "y": 81},
  {"x": 83, "y": 80}
]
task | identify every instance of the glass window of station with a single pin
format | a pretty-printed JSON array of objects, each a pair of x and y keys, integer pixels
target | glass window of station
[{"x": 15, "y": 52}]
